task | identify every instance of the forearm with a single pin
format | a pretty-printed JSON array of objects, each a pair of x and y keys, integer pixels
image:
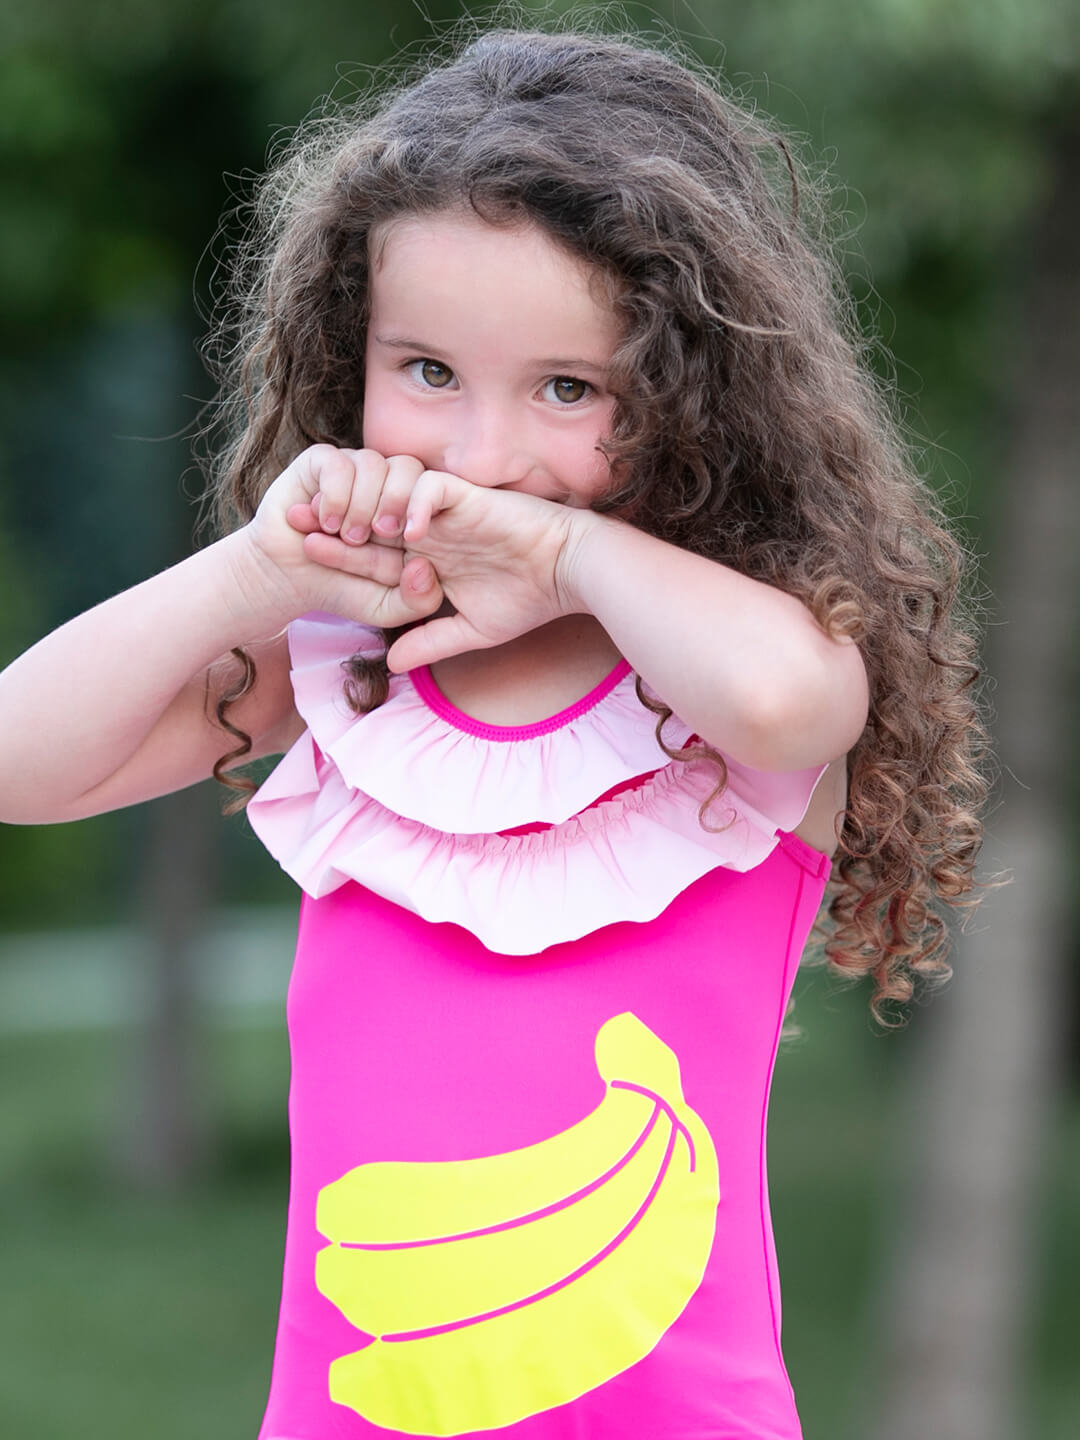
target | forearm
[
  {"x": 742, "y": 663},
  {"x": 79, "y": 703}
]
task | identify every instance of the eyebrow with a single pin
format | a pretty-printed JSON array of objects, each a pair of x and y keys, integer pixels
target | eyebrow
[{"x": 421, "y": 347}]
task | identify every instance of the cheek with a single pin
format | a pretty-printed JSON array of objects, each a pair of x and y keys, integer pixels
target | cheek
[
  {"x": 382, "y": 417},
  {"x": 394, "y": 425},
  {"x": 579, "y": 467},
  {"x": 591, "y": 464}
]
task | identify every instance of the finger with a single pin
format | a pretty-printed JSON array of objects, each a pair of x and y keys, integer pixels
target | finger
[
  {"x": 381, "y": 563},
  {"x": 402, "y": 473},
  {"x": 418, "y": 594},
  {"x": 369, "y": 603},
  {"x": 302, "y": 518},
  {"x": 369, "y": 476},
  {"x": 435, "y": 490},
  {"x": 418, "y": 575},
  {"x": 437, "y": 640},
  {"x": 332, "y": 472},
  {"x": 369, "y": 586}
]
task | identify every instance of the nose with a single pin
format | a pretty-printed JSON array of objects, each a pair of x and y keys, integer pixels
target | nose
[{"x": 487, "y": 448}]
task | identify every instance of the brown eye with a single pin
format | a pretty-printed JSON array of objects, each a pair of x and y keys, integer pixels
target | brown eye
[
  {"x": 434, "y": 374},
  {"x": 568, "y": 390}
]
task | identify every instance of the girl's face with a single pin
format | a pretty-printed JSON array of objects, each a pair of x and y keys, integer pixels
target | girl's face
[{"x": 488, "y": 355}]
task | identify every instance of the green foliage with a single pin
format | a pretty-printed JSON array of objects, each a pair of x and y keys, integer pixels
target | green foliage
[
  {"x": 932, "y": 111},
  {"x": 19, "y": 612}
]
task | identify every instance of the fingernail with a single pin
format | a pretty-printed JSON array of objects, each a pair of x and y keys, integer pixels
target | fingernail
[
  {"x": 388, "y": 524},
  {"x": 357, "y": 535},
  {"x": 331, "y": 522}
]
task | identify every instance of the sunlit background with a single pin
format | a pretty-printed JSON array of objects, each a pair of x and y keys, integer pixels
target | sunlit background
[{"x": 926, "y": 1184}]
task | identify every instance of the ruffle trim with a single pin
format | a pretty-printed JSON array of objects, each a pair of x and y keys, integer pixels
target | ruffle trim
[
  {"x": 421, "y": 758},
  {"x": 624, "y": 859},
  {"x": 324, "y": 812}
]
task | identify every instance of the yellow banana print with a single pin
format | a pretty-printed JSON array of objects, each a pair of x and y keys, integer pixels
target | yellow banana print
[{"x": 495, "y": 1288}]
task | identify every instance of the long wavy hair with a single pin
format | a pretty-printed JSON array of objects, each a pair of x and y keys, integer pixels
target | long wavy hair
[{"x": 749, "y": 427}]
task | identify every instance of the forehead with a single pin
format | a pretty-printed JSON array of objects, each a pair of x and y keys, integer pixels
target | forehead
[{"x": 457, "y": 273}]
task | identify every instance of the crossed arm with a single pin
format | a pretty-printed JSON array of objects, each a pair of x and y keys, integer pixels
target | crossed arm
[{"x": 112, "y": 708}]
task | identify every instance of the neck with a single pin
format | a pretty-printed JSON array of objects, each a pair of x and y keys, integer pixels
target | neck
[
  {"x": 532, "y": 676},
  {"x": 553, "y": 645}
]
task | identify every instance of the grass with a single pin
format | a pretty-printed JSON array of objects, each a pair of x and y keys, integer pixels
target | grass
[
  {"x": 127, "y": 1318},
  {"x": 128, "y": 1315}
]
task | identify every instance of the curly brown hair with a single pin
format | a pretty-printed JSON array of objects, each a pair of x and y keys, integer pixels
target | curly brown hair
[{"x": 749, "y": 426}]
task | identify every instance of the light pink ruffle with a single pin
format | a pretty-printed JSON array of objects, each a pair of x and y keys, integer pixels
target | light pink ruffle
[
  {"x": 623, "y": 859},
  {"x": 478, "y": 779}
]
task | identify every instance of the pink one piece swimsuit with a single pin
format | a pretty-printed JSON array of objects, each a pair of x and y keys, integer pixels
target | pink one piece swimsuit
[{"x": 533, "y": 1019}]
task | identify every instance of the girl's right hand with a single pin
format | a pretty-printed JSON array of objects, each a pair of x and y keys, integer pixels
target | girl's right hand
[
  {"x": 146, "y": 664},
  {"x": 340, "y": 491}
]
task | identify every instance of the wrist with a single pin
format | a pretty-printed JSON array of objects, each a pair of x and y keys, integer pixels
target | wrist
[
  {"x": 255, "y": 594},
  {"x": 586, "y": 530}
]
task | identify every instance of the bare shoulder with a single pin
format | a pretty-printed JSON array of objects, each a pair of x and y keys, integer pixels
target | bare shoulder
[{"x": 818, "y": 825}]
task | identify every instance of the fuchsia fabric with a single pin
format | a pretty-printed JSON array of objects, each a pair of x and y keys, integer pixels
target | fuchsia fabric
[{"x": 454, "y": 990}]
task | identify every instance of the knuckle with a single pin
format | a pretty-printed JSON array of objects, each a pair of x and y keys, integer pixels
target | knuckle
[
  {"x": 407, "y": 467},
  {"x": 365, "y": 464},
  {"x": 322, "y": 454}
]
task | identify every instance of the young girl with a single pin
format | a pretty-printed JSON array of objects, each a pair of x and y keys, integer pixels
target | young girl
[{"x": 575, "y": 564}]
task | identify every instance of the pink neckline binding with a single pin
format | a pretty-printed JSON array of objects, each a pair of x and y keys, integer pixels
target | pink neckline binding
[{"x": 435, "y": 700}]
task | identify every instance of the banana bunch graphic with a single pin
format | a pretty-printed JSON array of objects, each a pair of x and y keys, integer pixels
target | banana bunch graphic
[{"x": 495, "y": 1288}]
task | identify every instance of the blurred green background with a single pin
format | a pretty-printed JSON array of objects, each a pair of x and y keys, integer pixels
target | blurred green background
[{"x": 144, "y": 955}]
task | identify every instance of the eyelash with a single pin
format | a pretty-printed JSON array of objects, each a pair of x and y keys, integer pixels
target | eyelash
[{"x": 412, "y": 368}]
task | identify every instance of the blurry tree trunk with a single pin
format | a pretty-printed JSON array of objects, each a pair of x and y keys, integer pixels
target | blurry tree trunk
[
  {"x": 164, "y": 1138},
  {"x": 985, "y": 1064},
  {"x": 165, "y": 1135}
]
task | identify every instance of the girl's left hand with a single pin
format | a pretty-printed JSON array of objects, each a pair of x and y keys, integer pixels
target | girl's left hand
[{"x": 501, "y": 557}]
